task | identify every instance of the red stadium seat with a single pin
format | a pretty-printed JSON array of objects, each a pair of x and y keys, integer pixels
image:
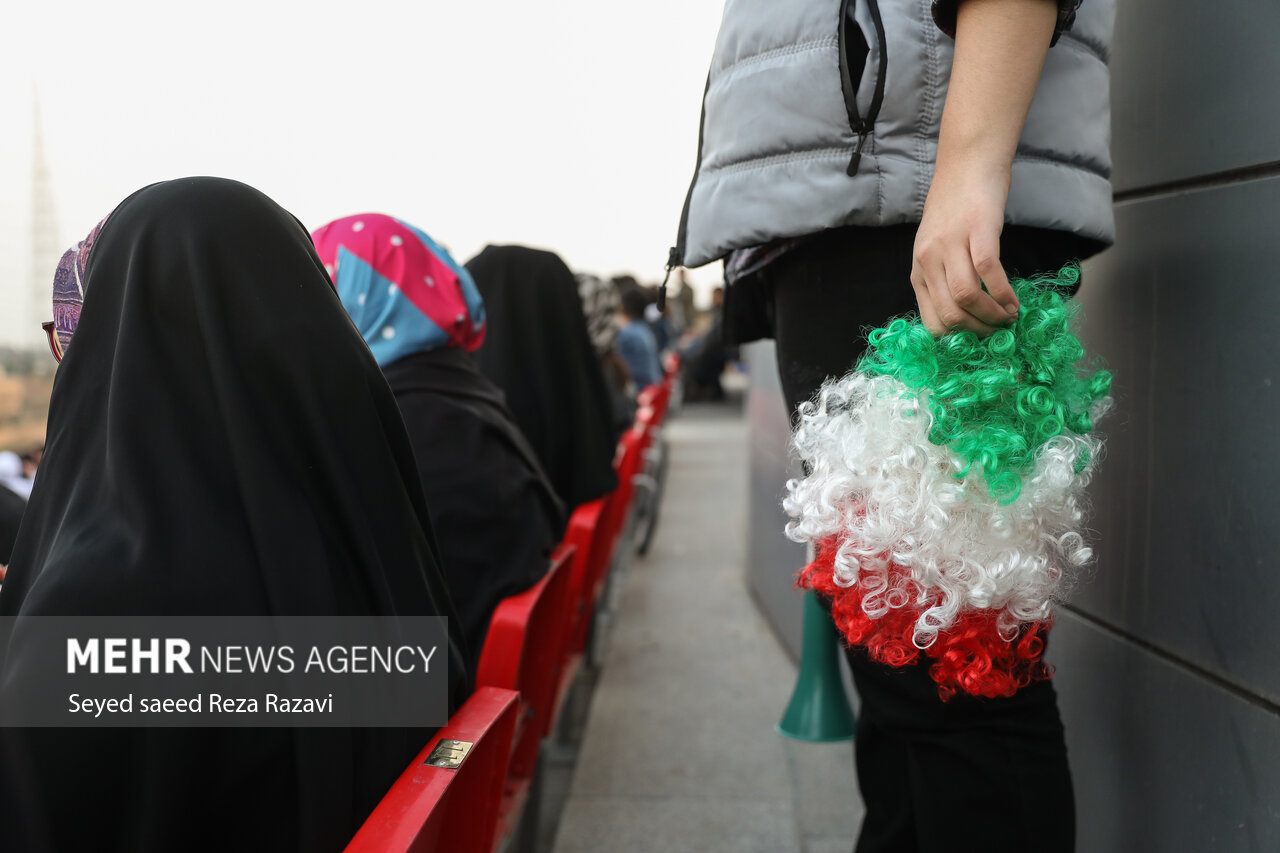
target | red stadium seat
[
  {"x": 671, "y": 382},
  {"x": 647, "y": 397},
  {"x": 652, "y": 472},
  {"x": 671, "y": 364},
  {"x": 530, "y": 657},
  {"x": 525, "y": 651},
  {"x": 525, "y": 648},
  {"x": 664, "y": 401},
  {"x": 651, "y": 404},
  {"x": 588, "y": 532},
  {"x": 630, "y": 462},
  {"x": 452, "y": 807}
]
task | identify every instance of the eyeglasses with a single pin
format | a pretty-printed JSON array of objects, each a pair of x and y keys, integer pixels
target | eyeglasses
[{"x": 55, "y": 345}]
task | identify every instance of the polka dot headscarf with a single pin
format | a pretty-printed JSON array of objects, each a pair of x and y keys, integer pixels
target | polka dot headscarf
[{"x": 403, "y": 291}]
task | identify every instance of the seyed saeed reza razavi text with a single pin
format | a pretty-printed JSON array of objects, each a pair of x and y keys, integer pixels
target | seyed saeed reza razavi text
[{"x": 215, "y": 703}]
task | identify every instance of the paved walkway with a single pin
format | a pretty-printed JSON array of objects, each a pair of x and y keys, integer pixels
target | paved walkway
[{"x": 679, "y": 752}]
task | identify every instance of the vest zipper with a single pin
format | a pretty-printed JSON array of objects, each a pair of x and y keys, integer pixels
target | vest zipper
[{"x": 863, "y": 126}]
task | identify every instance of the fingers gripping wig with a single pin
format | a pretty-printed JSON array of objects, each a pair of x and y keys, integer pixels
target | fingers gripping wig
[{"x": 945, "y": 491}]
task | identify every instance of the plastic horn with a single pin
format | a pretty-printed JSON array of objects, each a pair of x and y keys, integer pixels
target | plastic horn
[{"x": 819, "y": 710}]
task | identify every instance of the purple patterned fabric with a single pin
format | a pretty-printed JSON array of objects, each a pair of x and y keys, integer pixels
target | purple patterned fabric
[{"x": 68, "y": 286}]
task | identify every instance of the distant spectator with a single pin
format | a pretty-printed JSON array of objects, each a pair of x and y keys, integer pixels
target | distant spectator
[
  {"x": 14, "y": 491},
  {"x": 658, "y": 321},
  {"x": 495, "y": 515},
  {"x": 538, "y": 351},
  {"x": 12, "y": 507},
  {"x": 684, "y": 313},
  {"x": 636, "y": 344},
  {"x": 31, "y": 461},
  {"x": 703, "y": 360},
  {"x": 600, "y": 305},
  {"x": 11, "y": 474}
]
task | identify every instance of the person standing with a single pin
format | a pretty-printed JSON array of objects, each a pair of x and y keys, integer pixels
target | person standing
[
  {"x": 636, "y": 343},
  {"x": 915, "y": 173}
]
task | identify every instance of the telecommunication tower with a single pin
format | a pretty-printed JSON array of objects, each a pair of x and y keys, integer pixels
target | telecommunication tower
[{"x": 45, "y": 248}]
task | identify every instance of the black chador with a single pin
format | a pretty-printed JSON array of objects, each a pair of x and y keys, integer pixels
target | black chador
[{"x": 220, "y": 443}]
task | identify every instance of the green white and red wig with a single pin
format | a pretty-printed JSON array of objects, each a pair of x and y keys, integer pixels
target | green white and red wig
[{"x": 945, "y": 487}]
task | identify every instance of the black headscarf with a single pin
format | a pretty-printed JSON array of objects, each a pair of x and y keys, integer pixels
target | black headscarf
[
  {"x": 220, "y": 442},
  {"x": 496, "y": 515},
  {"x": 538, "y": 351}
]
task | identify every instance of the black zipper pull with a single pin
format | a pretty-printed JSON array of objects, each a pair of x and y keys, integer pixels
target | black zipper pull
[
  {"x": 673, "y": 261},
  {"x": 856, "y": 159}
]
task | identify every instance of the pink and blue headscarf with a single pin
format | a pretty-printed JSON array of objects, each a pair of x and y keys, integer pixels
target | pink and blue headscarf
[{"x": 403, "y": 291}]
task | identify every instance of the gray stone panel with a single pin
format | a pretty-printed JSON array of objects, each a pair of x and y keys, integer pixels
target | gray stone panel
[
  {"x": 772, "y": 559},
  {"x": 1193, "y": 88},
  {"x": 1163, "y": 761},
  {"x": 1186, "y": 504}
]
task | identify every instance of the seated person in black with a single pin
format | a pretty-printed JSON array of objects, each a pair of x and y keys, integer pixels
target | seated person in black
[
  {"x": 220, "y": 443},
  {"x": 495, "y": 515}
]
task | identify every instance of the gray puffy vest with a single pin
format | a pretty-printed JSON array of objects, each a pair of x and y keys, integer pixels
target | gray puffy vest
[{"x": 821, "y": 113}]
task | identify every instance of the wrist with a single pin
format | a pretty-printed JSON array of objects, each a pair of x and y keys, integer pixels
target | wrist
[
  {"x": 974, "y": 167},
  {"x": 978, "y": 148}
]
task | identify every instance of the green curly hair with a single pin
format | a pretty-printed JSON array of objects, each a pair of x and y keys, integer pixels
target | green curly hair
[{"x": 996, "y": 400}]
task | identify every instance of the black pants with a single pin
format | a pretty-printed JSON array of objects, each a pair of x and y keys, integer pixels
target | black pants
[{"x": 971, "y": 774}]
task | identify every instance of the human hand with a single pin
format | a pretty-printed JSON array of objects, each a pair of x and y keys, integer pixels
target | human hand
[
  {"x": 999, "y": 53},
  {"x": 957, "y": 251}
]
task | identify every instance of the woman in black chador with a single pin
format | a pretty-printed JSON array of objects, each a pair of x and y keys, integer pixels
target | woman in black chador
[
  {"x": 220, "y": 443},
  {"x": 496, "y": 516},
  {"x": 538, "y": 351}
]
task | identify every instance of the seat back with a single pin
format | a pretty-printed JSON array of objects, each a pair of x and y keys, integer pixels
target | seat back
[
  {"x": 588, "y": 532},
  {"x": 448, "y": 798},
  {"x": 525, "y": 651},
  {"x": 630, "y": 463},
  {"x": 648, "y": 397},
  {"x": 662, "y": 401},
  {"x": 671, "y": 364}
]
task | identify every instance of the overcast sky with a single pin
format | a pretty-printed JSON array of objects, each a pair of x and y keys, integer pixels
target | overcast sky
[{"x": 564, "y": 124}]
